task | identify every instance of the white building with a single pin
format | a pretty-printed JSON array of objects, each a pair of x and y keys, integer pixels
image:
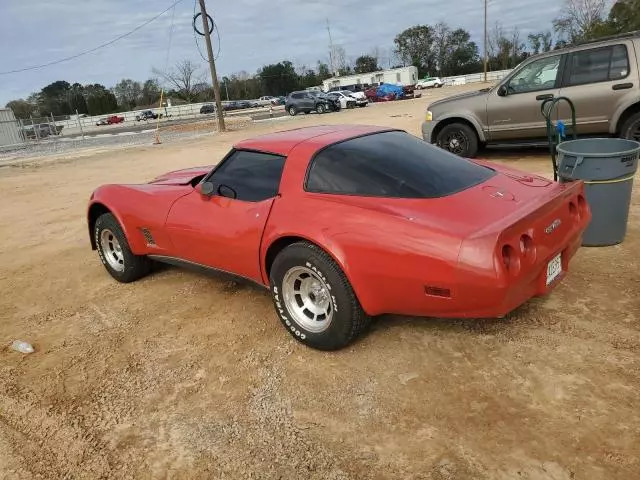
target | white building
[
  {"x": 9, "y": 129},
  {"x": 403, "y": 75}
]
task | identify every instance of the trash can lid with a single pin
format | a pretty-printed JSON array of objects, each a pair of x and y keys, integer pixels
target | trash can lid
[{"x": 599, "y": 147}]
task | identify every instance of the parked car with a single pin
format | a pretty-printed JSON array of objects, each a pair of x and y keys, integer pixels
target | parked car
[
  {"x": 113, "y": 119},
  {"x": 346, "y": 101},
  {"x": 147, "y": 115},
  {"x": 600, "y": 77},
  {"x": 310, "y": 101},
  {"x": 208, "y": 108},
  {"x": 345, "y": 222},
  {"x": 102, "y": 121},
  {"x": 429, "y": 82}
]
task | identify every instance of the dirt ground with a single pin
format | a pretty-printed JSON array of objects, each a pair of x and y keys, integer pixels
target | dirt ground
[{"x": 180, "y": 376}]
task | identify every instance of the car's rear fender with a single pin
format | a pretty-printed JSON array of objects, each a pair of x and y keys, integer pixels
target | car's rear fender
[{"x": 509, "y": 257}]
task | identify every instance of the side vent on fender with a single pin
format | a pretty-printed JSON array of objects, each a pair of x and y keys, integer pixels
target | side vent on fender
[{"x": 148, "y": 237}]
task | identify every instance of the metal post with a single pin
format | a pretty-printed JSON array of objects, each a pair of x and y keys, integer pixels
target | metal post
[
  {"x": 212, "y": 65},
  {"x": 53, "y": 123},
  {"x": 80, "y": 124},
  {"x": 486, "y": 56}
]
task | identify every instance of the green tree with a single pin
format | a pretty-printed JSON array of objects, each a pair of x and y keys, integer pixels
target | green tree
[
  {"x": 76, "y": 98},
  {"x": 21, "y": 108},
  {"x": 415, "y": 46},
  {"x": 366, "y": 64},
  {"x": 279, "y": 78},
  {"x": 99, "y": 100},
  {"x": 457, "y": 54},
  {"x": 150, "y": 93},
  {"x": 324, "y": 71},
  {"x": 54, "y": 99},
  {"x": 624, "y": 16},
  {"x": 128, "y": 93}
]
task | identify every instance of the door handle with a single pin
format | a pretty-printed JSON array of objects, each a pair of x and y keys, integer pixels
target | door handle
[
  {"x": 545, "y": 96},
  {"x": 622, "y": 86}
]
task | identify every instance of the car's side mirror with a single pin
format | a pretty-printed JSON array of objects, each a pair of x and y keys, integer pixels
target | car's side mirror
[
  {"x": 502, "y": 91},
  {"x": 227, "y": 191},
  {"x": 206, "y": 188}
]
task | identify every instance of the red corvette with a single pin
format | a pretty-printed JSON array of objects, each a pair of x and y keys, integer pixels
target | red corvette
[{"x": 345, "y": 222}]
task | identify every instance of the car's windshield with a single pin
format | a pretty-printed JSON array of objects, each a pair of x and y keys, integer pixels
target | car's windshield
[{"x": 392, "y": 164}]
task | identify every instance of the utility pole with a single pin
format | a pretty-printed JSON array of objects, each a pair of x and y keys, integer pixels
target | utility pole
[
  {"x": 486, "y": 55},
  {"x": 212, "y": 65},
  {"x": 333, "y": 72}
]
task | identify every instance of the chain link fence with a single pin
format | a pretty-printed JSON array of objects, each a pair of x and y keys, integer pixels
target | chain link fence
[{"x": 55, "y": 135}]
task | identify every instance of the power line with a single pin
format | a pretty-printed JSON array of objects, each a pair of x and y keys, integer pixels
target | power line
[{"x": 106, "y": 44}]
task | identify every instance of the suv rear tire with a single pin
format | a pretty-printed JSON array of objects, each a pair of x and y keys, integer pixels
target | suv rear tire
[
  {"x": 459, "y": 139},
  {"x": 631, "y": 128},
  {"x": 320, "y": 108},
  {"x": 292, "y": 111}
]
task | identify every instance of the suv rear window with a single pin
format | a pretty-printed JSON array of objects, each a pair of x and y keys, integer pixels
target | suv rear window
[
  {"x": 394, "y": 165},
  {"x": 598, "y": 65}
]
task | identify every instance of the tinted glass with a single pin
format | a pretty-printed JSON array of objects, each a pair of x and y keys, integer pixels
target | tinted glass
[
  {"x": 590, "y": 66},
  {"x": 392, "y": 164},
  {"x": 254, "y": 176},
  {"x": 619, "y": 63}
]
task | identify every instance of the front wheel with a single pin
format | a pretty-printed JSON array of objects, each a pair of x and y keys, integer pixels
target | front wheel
[
  {"x": 115, "y": 253},
  {"x": 459, "y": 139},
  {"x": 313, "y": 298}
]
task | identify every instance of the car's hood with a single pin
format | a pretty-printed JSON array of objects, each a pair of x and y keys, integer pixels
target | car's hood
[
  {"x": 181, "y": 177},
  {"x": 460, "y": 96}
]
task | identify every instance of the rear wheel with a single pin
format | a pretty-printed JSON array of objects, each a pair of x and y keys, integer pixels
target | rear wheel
[
  {"x": 115, "y": 253},
  {"x": 313, "y": 298},
  {"x": 631, "y": 128},
  {"x": 459, "y": 139},
  {"x": 292, "y": 111},
  {"x": 320, "y": 108}
]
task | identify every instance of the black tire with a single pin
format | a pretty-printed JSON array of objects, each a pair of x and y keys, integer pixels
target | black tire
[
  {"x": 465, "y": 137},
  {"x": 292, "y": 111},
  {"x": 320, "y": 108},
  {"x": 349, "y": 319},
  {"x": 134, "y": 266},
  {"x": 631, "y": 128}
]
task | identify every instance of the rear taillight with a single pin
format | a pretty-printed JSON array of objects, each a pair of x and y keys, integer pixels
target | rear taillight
[
  {"x": 582, "y": 206},
  {"x": 510, "y": 259},
  {"x": 527, "y": 248}
]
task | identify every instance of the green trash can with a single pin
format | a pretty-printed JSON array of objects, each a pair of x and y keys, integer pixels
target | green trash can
[{"x": 607, "y": 166}]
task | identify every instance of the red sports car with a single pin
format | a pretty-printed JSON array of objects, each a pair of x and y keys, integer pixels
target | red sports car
[{"x": 342, "y": 223}]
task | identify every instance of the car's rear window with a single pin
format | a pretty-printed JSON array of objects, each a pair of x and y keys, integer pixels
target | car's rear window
[{"x": 392, "y": 164}]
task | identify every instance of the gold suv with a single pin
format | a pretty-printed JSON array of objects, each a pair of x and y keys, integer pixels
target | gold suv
[{"x": 600, "y": 77}]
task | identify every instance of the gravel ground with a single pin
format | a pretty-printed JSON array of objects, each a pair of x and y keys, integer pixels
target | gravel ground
[{"x": 180, "y": 376}]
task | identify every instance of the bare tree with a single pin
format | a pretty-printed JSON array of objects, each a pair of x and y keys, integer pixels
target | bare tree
[
  {"x": 183, "y": 77},
  {"x": 339, "y": 59},
  {"x": 579, "y": 18}
]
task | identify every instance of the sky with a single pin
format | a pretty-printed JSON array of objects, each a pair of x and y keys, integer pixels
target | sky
[{"x": 252, "y": 33}]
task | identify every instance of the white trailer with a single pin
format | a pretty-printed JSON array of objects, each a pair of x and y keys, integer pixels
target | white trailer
[{"x": 396, "y": 76}]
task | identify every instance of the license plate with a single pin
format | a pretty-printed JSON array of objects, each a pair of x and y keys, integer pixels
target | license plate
[{"x": 554, "y": 268}]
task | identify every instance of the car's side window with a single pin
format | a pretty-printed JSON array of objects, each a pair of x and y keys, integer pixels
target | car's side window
[
  {"x": 538, "y": 75},
  {"x": 598, "y": 65},
  {"x": 253, "y": 176}
]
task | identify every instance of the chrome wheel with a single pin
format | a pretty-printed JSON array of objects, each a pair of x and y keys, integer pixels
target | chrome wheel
[
  {"x": 112, "y": 250},
  {"x": 308, "y": 299}
]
